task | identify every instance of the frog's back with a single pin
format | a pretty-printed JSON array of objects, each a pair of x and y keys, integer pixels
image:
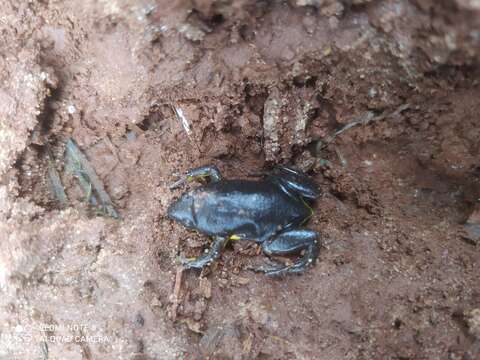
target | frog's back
[{"x": 249, "y": 209}]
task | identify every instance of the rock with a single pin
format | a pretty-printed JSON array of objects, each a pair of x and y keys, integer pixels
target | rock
[
  {"x": 193, "y": 325},
  {"x": 472, "y": 227},
  {"x": 472, "y": 318},
  {"x": 191, "y": 32}
]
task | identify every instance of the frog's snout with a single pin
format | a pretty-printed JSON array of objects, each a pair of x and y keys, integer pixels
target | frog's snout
[{"x": 182, "y": 210}]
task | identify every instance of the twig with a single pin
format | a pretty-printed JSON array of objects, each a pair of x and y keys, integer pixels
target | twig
[
  {"x": 364, "y": 119},
  {"x": 176, "y": 292}
]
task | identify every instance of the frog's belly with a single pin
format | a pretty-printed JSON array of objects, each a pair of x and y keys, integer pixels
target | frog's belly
[{"x": 254, "y": 215}]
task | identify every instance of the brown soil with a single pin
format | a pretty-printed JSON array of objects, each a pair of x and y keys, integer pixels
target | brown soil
[{"x": 259, "y": 83}]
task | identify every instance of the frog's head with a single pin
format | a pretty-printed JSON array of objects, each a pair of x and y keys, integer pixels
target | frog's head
[{"x": 182, "y": 210}]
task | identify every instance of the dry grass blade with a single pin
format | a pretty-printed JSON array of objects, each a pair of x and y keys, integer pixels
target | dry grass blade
[{"x": 88, "y": 179}]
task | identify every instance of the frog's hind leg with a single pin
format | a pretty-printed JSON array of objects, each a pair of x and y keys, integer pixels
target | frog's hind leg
[
  {"x": 210, "y": 171},
  {"x": 297, "y": 181},
  {"x": 206, "y": 259},
  {"x": 291, "y": 242}
]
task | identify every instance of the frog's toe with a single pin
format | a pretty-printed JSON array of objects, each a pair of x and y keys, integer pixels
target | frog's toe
[
  {"x": 279, "y": 270},
  {"x": 193, "y": 263},
  {"x": 210, "y": 171},
  {"x": 296, "y": 268},
  {"x": 199, "y": 262}
]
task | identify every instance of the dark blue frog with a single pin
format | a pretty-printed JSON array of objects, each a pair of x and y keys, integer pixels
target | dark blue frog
[{"x": 271, "y": 211}]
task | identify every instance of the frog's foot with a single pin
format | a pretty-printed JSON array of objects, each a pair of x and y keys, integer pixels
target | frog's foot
[
  {"x": 210, "y": 171},
  {"x": 290, "y": 242},
  {"x": 207, "y": 258}
]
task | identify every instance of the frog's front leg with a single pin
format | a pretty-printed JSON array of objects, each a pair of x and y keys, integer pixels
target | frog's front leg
[
  {"x": 290, "y": 242},
  {"x": 206, "y": 259},
  {"x": 210, "y": 171}
]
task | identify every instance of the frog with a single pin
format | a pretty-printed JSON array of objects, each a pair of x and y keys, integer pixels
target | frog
[{"x": 271, "y": 210}]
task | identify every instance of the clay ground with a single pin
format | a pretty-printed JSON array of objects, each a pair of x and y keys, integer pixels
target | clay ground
[{"x": 256, "y": 83}]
